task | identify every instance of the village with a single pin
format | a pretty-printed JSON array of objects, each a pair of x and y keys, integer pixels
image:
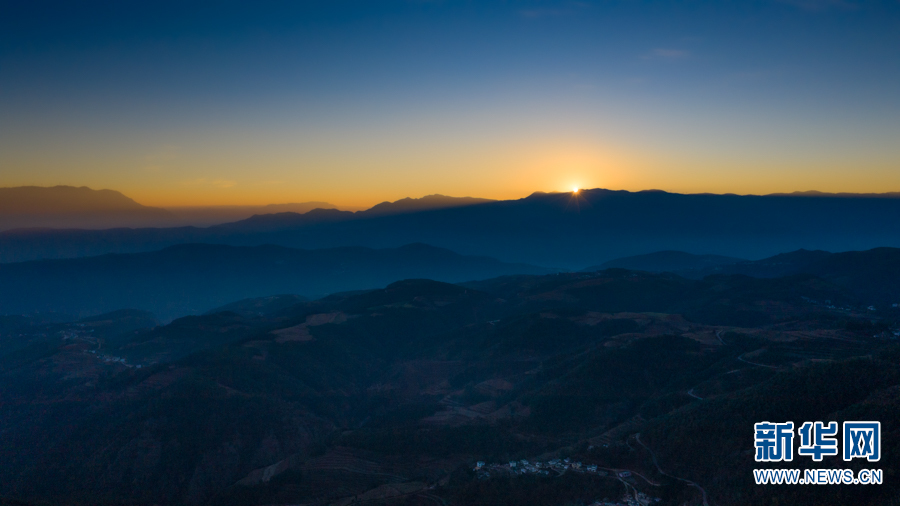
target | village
[
  {"x": 558, "y": 467},
  {"x": 76, "y": 332}
]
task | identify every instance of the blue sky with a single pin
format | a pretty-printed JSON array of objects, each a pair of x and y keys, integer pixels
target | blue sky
[{"x": 359, "y": 102}]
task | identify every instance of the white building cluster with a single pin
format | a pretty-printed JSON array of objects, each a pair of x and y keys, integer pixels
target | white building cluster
[{"x": 555, "y": 467}]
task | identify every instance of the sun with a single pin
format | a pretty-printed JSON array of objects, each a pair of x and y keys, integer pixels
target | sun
[{"x": 575, "y": 189}]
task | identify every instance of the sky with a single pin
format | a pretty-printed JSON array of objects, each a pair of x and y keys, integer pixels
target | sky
[{"x": 354, "y": 103}]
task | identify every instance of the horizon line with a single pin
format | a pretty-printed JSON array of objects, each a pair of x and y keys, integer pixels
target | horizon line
[{"x": 358, "y": 208}]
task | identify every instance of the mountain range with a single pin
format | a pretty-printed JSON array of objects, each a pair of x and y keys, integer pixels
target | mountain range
[
  {"x": 216, "y": 215},
  {"x": 194, "y": 278},
  {"x": 204, "y": 216},
  {"x": 568, "y": 230},
  {"x": 68, "y": 207}
]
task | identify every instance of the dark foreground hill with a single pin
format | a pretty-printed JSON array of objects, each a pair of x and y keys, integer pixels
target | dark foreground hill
[
  {"x": 392, "y": 396},
  {"x": 193, "y": 278},
  {"x": 551, "y": 229}
]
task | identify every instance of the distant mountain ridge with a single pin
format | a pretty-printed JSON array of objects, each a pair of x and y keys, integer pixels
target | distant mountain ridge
[
  {"x": 56, "y": 199},
  {"x": 82, "y": 207},
  {"x": 203, "y": 216},
  {"x": 194, "y": 278},
  {"x": 552, "y": 229},
  {"x": 68, "y": 207},
  {"x": 277, "y": 221},
  {"x": 65, "y": 206},
  {"x": 436, "y": 201}
]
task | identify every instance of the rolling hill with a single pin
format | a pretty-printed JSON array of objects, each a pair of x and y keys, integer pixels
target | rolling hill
[
  {"x": 391, "y": 396},
  {"x": 666, "y": 261},
  {"x": 193, "y": 278},
  {"x": 873, "y": 275}
]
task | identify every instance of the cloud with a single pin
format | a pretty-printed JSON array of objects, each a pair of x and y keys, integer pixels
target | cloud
[{"x": 667, "y": 54}]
